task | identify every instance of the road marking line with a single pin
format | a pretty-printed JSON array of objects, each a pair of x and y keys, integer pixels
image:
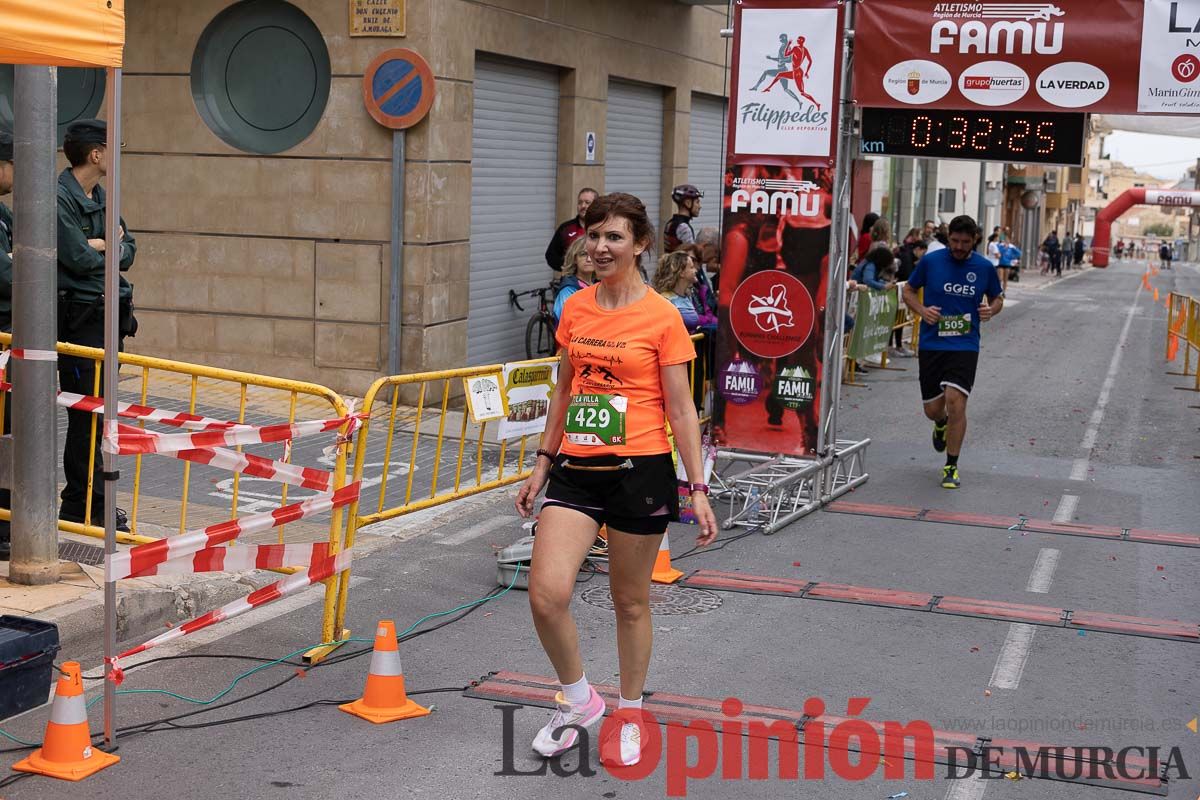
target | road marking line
[
  {"x": 1013, "y": 655},
  {"x": 967, "y": 788},
  {"x": 477, "y": 530},
  {"x": 1066, "y": 508},
  {"x": 1079, "y": 469},
  {"x": 1043, "y": 571}
]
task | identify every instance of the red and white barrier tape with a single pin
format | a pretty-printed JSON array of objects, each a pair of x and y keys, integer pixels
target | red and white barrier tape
[
  {"x": 289, "y": 585},
  {"x": 143, "y": 557},
  {"x": 241, "y": 559},
  {"x": 248, "y": 464},
  {"x": 95, "y": 405},
  {"x": 25, "y": 354},
  {"x": 132, "y": 443}
]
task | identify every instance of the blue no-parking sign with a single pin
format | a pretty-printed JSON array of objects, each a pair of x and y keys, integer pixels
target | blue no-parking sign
[{"x": 398, "y": 88}]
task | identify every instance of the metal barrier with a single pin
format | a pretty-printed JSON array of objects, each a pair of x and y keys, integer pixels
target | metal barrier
[
  {"x": 173, "y": 493},
  {"x": 445, "y": 456},
  {"x": 1183, "y": 327}
]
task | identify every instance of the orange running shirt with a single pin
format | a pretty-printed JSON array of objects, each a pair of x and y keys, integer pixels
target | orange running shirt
[{"x": 620, "y": 352}]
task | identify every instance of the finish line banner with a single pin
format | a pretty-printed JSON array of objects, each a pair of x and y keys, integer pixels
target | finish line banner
[
  {"x": 1067, "y": 55},
  {"x": 778, "y": 205}
]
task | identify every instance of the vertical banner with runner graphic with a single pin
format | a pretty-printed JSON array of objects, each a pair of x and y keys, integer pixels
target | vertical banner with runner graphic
[{"x": 778, "y": 205}]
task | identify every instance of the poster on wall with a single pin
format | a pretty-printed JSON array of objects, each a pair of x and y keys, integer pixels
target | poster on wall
[
  {"x": 785, "y": 71},
  {"x": 1170, "y": 76},
  {"x": 1068, "y": 55},
  {"x": 527, "y": 389}
]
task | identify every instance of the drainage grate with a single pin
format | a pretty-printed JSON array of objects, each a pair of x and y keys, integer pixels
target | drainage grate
[
  {"x": 664, "y": 600},
  {"x": 81, "y": 553}
]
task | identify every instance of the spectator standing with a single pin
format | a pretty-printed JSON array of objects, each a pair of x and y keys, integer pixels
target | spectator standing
[
  {"x": 678, "y": 231},
  {"x": 81, "y": 246},
  {"x": 578, "y": 273},
  {"x": 864, "y": 236},
  {"x": 676, "y": 280},
  {"x": 569, "y": 231},
  {"x": 1079, "y": 250},
  {"x": 1053, "y": 250}
]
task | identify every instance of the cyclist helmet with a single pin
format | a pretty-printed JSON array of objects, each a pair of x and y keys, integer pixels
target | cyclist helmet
[{"x": 685, "y": 191}]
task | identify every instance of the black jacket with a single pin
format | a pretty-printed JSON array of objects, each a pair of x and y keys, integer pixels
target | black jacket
[
  {"x": 80, "y": 266},
  {"x": 557, "y": 250}
]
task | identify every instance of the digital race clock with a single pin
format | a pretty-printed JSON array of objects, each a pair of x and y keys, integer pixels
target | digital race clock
[{"x": 1009, "y": 136}]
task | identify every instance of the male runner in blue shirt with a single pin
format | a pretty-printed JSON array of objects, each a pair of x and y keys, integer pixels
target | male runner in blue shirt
[{"x": 956, "y": 281}]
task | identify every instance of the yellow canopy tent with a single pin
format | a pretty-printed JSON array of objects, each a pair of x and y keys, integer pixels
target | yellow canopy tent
[{"x": 64, "y": 33}]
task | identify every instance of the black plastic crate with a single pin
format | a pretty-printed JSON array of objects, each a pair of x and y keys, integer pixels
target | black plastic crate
[{"x": 27, "y": 651}]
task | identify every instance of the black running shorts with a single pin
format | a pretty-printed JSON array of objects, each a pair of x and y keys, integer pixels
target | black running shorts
[
  {"x": 942, "y": 368},
  {"x": 631, "y": 494}
]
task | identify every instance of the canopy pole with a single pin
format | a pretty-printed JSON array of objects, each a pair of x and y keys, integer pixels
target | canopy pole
[
  {"x": 35, "y": 310},
  {"x": 112, "y": 266}
]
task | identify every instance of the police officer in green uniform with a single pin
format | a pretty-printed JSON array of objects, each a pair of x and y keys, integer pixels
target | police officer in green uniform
[
  {"x": 6, "y": 247},
  {"x": 81, "y": 245}
]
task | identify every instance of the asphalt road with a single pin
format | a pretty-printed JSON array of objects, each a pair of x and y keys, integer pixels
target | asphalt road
[{"x": 1046, "y": 440}]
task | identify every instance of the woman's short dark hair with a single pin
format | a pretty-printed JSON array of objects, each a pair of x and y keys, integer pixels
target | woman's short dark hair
[{"x": 621, "y": 204}]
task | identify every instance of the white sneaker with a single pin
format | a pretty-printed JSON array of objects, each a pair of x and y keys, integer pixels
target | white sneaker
[
  {"x": 629, "y": 750},
  {"x": 546, "y": 743}
]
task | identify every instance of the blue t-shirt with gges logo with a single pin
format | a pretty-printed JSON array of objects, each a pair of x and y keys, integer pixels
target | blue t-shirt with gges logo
[{"x": 956, "y": 288}]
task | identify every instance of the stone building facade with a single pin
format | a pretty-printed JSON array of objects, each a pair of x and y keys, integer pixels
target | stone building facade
[{"x": 279, "y": 262}]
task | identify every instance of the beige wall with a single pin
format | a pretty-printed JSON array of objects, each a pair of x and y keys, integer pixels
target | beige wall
[{"x": 280, "y": 264}]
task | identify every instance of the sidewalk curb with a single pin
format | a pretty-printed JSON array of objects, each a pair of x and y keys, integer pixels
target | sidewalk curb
[{"x": 144, "y": 611}]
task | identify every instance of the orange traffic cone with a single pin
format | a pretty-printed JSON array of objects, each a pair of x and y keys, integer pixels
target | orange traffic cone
[
  {"x": 1156, "y": 294},
  {"x": 663, "y": 571},
  {"x": 67, "y": 752},
  {"x": 384, "y": 699}
]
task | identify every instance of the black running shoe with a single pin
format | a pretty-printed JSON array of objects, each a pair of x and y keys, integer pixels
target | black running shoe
[{"x": 939, "y": 437}]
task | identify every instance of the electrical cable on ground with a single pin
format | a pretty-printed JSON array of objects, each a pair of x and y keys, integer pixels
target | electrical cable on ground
[{"x": 409, "y": 633}]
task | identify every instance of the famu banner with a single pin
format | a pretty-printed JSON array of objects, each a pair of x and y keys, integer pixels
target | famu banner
[
  {"x": 778, "y": 204},
  {"x": 873, "y": 322}
]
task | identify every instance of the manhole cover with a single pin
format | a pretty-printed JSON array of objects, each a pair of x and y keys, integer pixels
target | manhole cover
[
  {"x": 664, "y": 600},
  {"x": 81, "y": 553}
]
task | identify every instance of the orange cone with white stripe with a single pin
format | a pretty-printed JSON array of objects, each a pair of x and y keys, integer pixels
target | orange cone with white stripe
[
  {"x": 663, "y": 571},
  {"x": 384, "y": 699},
  {"x": 67, "y": 751}
]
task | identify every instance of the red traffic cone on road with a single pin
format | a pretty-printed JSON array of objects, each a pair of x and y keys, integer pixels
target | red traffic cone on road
[
  {"x": 384, "y": 699},
  {"x": 67, "y": 751},
  {"x": 663, "y": 571}
]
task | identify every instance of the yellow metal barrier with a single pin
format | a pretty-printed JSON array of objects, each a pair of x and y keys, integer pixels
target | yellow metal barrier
[
  {"x": 430, "y": 452},
  {"x": 161, "y": 498},
  {"x": 1183, "y": 327}
]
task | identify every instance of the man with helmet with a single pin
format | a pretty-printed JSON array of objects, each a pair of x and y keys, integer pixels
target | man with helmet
[{"x": 679, "y": 230}]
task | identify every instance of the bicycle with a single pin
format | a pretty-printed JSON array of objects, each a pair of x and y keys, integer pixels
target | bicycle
[{"x": 539, "y": 331}]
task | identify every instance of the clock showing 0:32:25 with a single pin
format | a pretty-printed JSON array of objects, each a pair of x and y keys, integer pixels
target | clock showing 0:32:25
[{"x": 1009, "y": 136}]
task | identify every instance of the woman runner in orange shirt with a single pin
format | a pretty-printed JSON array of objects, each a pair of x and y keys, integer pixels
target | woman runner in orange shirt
[{"x": 606, "y": 456}]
